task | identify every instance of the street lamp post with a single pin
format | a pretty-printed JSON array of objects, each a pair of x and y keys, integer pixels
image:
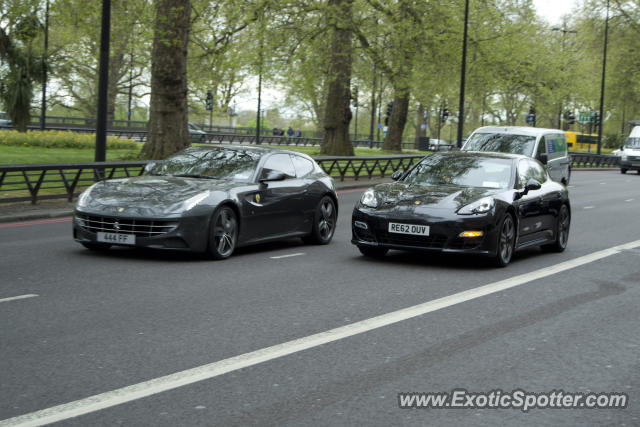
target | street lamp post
[
  {"x": 103, "y": 85},
  {"x": 564, "y": 33},
  {"x": 604, "y": 68},
  {"x": 462, "y": 76},
  {"x": 43, "y": 112}
]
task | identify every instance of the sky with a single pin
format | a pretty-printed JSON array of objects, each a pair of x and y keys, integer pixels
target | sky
[{"x": 552, "y": 10}]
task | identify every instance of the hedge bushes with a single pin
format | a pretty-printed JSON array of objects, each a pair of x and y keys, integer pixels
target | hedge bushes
[{"x": 60, "y": 139}]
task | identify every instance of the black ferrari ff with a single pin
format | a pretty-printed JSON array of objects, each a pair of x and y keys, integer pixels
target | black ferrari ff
[
  {"x": 465, "y": 202},
  {"x": 211, "y": 200}
]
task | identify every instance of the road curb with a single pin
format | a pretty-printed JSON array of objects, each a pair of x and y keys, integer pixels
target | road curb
[{"x": 31, "y": 216}]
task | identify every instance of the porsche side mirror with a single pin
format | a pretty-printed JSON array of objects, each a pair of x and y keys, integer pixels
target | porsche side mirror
[
  {"x": 532, "y": 184},
  {"x": 273, "y": 176},
  {"x": 622, "y": 148},
  {"x": 396, "y": 175},
  {"x": 543, "y": 158}
]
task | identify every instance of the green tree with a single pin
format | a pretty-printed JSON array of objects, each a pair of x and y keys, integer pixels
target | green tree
[{"x": 21, "y": 64}]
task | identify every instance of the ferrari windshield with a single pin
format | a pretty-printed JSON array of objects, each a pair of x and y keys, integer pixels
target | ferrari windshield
[
  {"x": 219, "y": 163},
  {"x": 502, "y": 143},
  {"x": 468, "y": 171}
]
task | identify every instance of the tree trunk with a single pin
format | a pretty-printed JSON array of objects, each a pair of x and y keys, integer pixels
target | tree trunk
[
  {"x": 168, "y": 118},
  {"x": 337, "y": 113},
  {"x": 393, "y": 140},
  {"x": 420, "y": 132}
]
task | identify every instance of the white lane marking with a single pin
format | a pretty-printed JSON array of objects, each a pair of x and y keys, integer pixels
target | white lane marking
[
  {"x": 629, "y": 200},
  {"x": 287, "y": 256},
  {"x": 18, "y": 297},
  {"x": 589, "y": 207},
  {"x": 211, "y": 370}
]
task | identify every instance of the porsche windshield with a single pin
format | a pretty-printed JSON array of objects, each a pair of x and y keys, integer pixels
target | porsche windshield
[
  {"x": 235, "y": 165},
  {"x": 468, "y": 171},
  {"x": 502, "y": 143}
]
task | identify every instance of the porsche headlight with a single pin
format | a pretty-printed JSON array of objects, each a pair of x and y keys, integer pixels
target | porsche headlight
[
  {"x": 481, "y": 206},
  {"x": 369, "y": 199}
]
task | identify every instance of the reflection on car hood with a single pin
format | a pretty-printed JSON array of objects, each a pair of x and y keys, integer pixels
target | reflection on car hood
[
  {"x": 150, "y": 194},
  {"x": 403, "y": 196}
]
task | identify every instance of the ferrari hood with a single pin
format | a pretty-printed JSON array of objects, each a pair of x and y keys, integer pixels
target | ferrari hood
[
  {"x": 150, "y": 193},
  {"x": 400, "y": 195}
]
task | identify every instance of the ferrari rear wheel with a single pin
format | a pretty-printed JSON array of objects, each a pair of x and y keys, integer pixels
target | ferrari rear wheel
[
  {"x": 506, "y": 241},
  {"x": 324, "y": 223},
  {"x": 223, "y": 234},
  {"x": 372, "y": 251},
  {"x": 94, "y": 246}
]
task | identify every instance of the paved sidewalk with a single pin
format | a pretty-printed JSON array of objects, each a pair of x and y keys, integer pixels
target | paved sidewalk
[{"x": 25, "y": 211}]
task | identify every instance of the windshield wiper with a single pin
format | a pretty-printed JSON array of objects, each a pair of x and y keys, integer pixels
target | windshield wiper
[{"x": 193, "y": 175}]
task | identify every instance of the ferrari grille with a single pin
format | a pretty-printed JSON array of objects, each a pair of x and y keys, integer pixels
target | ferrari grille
[{"x": 139, "y": 227}]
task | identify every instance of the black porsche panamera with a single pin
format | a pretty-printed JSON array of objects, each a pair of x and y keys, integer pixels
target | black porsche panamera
[
  {"x": 211, "y": 200},
  {"x": 490, "y": 204}
]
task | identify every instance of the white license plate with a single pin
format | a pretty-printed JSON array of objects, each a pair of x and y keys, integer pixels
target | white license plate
[
  {"x": 416, "y": 230},
  {"x": 117, "y": 238}
]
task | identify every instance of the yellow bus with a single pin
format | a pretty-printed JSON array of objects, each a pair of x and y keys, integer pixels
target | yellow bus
[{"x": 577, "y": 141}]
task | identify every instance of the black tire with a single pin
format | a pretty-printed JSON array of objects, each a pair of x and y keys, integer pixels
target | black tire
[
  {"x": 223, "y": 233},
  {"x": 324, "y": 223},
  {"x": 506, "y": 243},
  {"x": 623, "y": 171},
  {"x": 94, "y": 246},
  {"x": 373, "y": 251},
  {"x": 563, "y": 224}
]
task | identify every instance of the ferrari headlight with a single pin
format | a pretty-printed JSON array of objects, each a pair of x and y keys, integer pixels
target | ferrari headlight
[
  {"x": 192, "y": 201},
  {"x": 84, "y": 198},
  {"x": 369, "y": 199},
  {"x": 481, "y": 206}
]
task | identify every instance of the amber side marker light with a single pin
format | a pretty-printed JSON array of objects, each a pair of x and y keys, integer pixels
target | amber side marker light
[{"x": 471, "y": 234}]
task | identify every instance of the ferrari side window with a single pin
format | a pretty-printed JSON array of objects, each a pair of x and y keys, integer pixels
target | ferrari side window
[
  {"x": 303, "y": 166},
  {"x": 279, "y": 163}
]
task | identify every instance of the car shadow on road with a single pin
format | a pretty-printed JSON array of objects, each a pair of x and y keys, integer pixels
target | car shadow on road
[
  {"x": 445, "y": 260},
  {"x": 168, "y": 255}
]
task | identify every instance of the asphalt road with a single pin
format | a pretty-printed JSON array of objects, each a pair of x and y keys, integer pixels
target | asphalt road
[{"x": 101, "y": 322}]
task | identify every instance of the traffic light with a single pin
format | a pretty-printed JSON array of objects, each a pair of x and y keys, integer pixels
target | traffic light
[
  {"x": 531, "y": 117},
  {"x": 570, "y": 117},
  {"x": 445, "y": 114},
  {"x": 209, "y": 101},
  {"x": 388, "y": 113},
  {"x": 596, "y": 118},
  {"x": 354, "y": 96}
]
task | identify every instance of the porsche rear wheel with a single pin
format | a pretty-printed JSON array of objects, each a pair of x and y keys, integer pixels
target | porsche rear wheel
[
  {"x": 506, "y": 241},
  {"x": 223, "y": 234},
  {"x": 562, "y": 231}
]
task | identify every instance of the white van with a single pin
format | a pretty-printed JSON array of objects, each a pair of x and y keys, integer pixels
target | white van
[
  {"x": 630, "y": 152},
  {"x": 549, "y": 146}
]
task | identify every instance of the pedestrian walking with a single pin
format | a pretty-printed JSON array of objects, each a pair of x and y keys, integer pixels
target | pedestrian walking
[{"x": 289, "y": 134}]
